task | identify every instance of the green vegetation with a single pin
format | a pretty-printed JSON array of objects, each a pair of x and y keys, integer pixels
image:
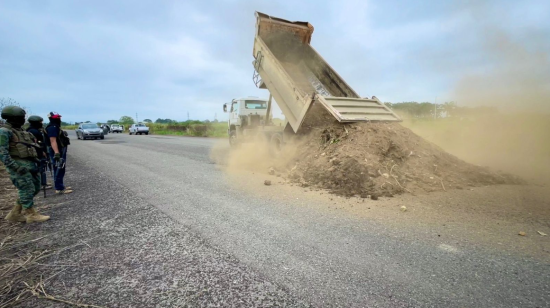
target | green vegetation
[
  {"x": 69, "y": 127},
  {"x": 126, "y": 120},
  {"x": 189, "y": 128},
  {"x": 417, "y": 110}
]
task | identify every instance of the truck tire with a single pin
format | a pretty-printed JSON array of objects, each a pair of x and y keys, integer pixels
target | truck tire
[
  {"x": 147, "y": 133},
  {"x": 275, "y": 145},
  {"x": 233, "y": 138},
  {"x": 102, "y": 137}
]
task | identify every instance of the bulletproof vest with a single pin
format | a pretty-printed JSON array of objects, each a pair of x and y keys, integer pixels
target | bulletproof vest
[{"x": 22, "y": 144}]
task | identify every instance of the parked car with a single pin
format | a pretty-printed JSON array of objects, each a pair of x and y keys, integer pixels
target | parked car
[
  {"x": 116, "y": 128},
  {"x": 138, "y": 129},
  {"x": 89, "y": 130}
]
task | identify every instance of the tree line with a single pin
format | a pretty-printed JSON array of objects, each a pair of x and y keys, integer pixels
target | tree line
[
  {"x": 128, "y": 120},
  {"x": 431, "y": 110}
]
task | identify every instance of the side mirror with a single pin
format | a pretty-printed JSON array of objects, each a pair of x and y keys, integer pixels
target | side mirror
[{"x": 224, "y": 107}]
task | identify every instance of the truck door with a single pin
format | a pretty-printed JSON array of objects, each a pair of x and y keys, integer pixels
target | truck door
[{"x": 234, "y": 113}]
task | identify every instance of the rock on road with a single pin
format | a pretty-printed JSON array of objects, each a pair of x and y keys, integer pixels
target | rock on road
[{"x": 163, "y": 227}]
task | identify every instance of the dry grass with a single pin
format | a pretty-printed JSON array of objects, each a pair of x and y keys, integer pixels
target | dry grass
[{"x": 20, "y": 274}]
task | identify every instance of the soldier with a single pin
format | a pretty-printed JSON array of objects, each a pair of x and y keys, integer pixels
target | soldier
[
  {"x": 37, "y": 129},
  {"x": 18, "y": 154},
  {"x": 57, "y": 142}
]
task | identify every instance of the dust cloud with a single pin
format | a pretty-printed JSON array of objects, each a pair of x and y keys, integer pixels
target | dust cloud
[
  {"x": 515, "y": 74},
  {"x": 257, "y": 156},
  {"x": 519, "y": 80},
  {"x": 513, "y": 143},
  {"x": 515, "y": 78}
]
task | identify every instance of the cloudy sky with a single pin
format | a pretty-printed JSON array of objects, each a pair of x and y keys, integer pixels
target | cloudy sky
[{"x": 98, "y": 60}]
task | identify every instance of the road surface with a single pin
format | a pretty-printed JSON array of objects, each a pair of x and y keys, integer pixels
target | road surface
[{"x": 154, "y": 221}]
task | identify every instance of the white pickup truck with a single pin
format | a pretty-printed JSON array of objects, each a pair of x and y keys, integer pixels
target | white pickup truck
[
  {"x": 117, "y": 128},
  {"x": 138, "y": 129}
]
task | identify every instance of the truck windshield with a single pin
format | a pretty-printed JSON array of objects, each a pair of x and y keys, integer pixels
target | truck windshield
[
  {"x": 140, "y": 125},
  {"x": 255, "y": 105},
  {"x": 89, "y": 126}
]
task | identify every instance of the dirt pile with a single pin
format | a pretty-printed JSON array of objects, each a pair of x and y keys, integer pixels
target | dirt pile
[{"x": 380, "y": 159}]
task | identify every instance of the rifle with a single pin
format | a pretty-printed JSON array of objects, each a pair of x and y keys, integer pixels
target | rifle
[
  {"x": 43, "y": 180},
  {"x": 50, "y": 166},
  {"x": 60, "y": 164}
]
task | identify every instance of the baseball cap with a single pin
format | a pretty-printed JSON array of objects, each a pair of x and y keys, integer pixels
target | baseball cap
[{"x": 54, "y": 115}]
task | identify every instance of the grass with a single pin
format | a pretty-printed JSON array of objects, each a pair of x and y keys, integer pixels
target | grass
[{"x": 215, "y": 130}]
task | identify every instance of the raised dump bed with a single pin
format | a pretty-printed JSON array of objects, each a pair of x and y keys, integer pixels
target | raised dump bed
[{"x": 297, "y": 76}]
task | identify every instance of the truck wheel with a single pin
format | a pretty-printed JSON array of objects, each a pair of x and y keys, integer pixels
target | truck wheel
[
  {"x": 147, "y": 133},
  {"x": 233, "y": 138},
  {"x": 275, "y": 145},
  {"x": 102, "y": 137}
]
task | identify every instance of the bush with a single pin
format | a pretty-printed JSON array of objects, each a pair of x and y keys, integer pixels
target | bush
[{"x": 189, "y": 128}]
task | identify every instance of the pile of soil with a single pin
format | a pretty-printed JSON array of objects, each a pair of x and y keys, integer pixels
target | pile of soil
[{"x": 380, "y": 159}]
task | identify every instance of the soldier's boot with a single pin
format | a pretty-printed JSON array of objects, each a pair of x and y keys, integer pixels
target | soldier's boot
[
  {"x": 65, "y": 191},
  {"x": 15, "y": 214},
  {"x": 31, "y": 215}
]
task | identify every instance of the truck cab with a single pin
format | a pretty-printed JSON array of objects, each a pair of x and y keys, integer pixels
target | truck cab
[
  {"x": 248, "y": 111},
  {"x": 246, "y": 116},
  {"x": 138, "y": 129}
]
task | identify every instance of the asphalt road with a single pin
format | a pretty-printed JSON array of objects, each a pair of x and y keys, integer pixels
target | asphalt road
[{"x": 163, "y": 227}]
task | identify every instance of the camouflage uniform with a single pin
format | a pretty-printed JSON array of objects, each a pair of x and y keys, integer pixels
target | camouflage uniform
[{"x": 28, "y": 184}]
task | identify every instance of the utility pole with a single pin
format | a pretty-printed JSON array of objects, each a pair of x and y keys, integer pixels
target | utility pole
[
  {"x": 137, "y": 121},
  {"x": 187, "y": 116}
]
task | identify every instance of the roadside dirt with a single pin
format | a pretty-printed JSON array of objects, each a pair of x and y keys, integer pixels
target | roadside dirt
[
  {"x": 17, "y": 256},
  {"x": 488, "y": 217},
  {"x": 382, "y": 159},
  {"x": 386, "y": 173}
]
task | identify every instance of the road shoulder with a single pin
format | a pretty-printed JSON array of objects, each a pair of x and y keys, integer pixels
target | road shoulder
[{"x": 109, "y": 248}]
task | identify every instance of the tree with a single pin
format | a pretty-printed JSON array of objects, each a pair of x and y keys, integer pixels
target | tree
[
  {"x": 147, "y": 121},
  {"x": 126, "y": 120},
  {"x": 112, "y": 122},
  {"x": 4, "y": 102},
  {"x": 165, "y": 121},
  {"x": 7, "y": 101}
]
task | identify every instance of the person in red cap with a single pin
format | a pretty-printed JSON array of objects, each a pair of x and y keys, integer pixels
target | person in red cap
[{"x": 57, "y": 143}]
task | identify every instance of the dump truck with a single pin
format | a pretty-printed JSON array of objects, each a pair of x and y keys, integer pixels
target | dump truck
[{"x": 304, "y": 86}]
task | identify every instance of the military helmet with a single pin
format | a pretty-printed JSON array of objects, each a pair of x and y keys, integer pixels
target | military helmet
[
  {"x": 35, "y": 118},
  {"x": 12, "y": 111}
]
